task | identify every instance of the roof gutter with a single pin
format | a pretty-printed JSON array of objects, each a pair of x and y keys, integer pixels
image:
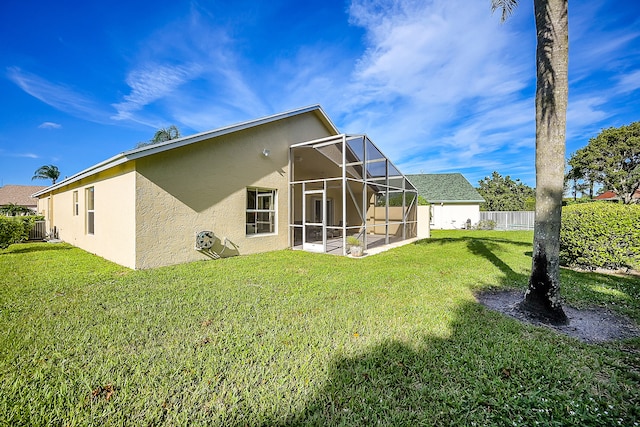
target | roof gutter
[{"x": 456, "y": 201}]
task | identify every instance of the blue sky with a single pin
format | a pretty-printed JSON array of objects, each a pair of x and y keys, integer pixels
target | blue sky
[{"x": 440, "y": 86}]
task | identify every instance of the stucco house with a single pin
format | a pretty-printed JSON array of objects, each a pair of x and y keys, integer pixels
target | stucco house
[
  {"x": 289, "y": 180},
  {"x": 454, "y": 202},
  {"x": 20, "y": 195}
]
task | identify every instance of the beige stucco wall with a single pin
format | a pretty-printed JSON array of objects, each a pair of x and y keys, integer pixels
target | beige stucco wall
[
  {"x": 114, "y": 198},
  {"x": 202, "y": 186},
  {"x": 424, "y": 226},
  {"x": 453, "y": 216},
  {"x": 376, "y": 219}
]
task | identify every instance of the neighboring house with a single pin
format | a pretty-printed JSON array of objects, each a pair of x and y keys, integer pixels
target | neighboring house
[
  {"x": 287, "y": 180},
  {"x": 454, "y": 202},
  {"x": 20, "y": 195},
  {"x": 611, "y": 196}
]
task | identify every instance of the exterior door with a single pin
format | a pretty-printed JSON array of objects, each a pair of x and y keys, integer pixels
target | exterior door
[{"x": 314, "y": 221}]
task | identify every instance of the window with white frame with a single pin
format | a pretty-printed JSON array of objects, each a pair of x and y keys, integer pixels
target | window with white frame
[
  {"x": 261, "y": 211},
  {"x": 76, "y": 207},
  {"x": 89, "y": 197}
]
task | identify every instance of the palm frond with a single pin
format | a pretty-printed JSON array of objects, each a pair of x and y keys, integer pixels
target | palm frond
[
  {"x": 47, "y": 172},
  {"x": 507, "y": 7}
]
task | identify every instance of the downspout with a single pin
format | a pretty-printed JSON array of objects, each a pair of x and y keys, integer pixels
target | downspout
[
  {"x": 344, "y": 195},
  {"x": 364, "y": 193},
  {"x": 386, "y": 203},
  {"x": 290, "y": 229}
]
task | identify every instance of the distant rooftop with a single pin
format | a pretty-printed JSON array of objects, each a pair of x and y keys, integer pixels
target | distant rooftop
[
  {"x": 610, "y": 195},
  {"x": 445, "y": 188},
  {"x": 19, "y": 195}
]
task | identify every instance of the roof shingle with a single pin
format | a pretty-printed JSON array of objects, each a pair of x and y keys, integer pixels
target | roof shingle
[
  {"x": 19, "y": 195},
  {"x": 445, "y": 188}
]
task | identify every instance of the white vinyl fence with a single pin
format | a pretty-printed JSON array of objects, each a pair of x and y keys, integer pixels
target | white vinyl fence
[{"x": 510, "y": 220}]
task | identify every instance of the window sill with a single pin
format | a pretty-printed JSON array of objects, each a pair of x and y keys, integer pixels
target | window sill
[{"x": 258, "y": 235}]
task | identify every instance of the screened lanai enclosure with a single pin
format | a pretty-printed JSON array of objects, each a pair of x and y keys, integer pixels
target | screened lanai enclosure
[{"x": 344, "y": 186}]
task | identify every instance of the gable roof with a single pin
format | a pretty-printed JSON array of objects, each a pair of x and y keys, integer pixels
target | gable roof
[
  {"x": 148, "y": 150},
  {"x": 445, "y": 188},
  {"x": 19, "y": 194}
]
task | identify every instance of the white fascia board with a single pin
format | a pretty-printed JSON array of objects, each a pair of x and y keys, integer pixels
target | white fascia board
[
  {"x": 456, "y": 201},
  {"x": 316, "y": 143}
]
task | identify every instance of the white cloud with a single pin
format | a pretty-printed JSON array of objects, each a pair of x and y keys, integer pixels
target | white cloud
[
  {"x": 586, "y": 111},
  {"x": 186, "y": 73},
  {"x": 438, "y": 85},
  {"x": 59, "y": 96},
  {"x": 628, "y": 83},
  {"x": 434, "y": 52},
  {"x": 49, "y": 125},
  {"x": 3, "y": 153},
  {"x": 441, "y": 87},
  {"x": 151, "y": 82}
]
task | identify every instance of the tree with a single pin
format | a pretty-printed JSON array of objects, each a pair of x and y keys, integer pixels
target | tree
[
  {"x": 574, "y": 183},
  {"x": 612, "y": 159},
  {"x": 571, "y": 183},
  {"x": 47, "y": 172},
  {"x": 13, "y": 209},
  {"x": 542, "y": 298},
  {"x": 162, "y": 135},
  {"x": 504, "y": 194},
  {"x": 166, "y": 134},
  {"x": 584, "y": 176}
]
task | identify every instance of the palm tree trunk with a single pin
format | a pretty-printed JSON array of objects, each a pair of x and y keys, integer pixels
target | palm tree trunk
[{"x": 542, "y": 298}]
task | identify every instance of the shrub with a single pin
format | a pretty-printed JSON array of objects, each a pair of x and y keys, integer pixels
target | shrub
[
  {"x": 11, "y": 231},
  {"x": 602, "y": 235},
  {"x": 353, "y": 241},
  {"x": 486, "y": 224},
  {"x": 16, "y": 229},
  {"x": 570, "y": 201},
  {"x": 13, "y": 209}
]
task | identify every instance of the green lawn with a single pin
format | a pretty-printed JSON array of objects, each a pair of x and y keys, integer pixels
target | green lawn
[{"x": 292, "y": 338}]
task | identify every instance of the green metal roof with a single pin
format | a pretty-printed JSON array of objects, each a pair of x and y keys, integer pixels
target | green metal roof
[{"x": 445, "y": 188}]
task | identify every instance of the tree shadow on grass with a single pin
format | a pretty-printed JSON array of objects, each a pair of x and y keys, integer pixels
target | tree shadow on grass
[
  {"x": 488, "y": 371},
  {"x": 598, "y": 288},
  {"x": 486, "y": 249},
  {"x": 24, "y": 248},
  {"x": 470, "y": 237},
  {"x": 597, "y": 305},
  {"x": 617, "y": 292}
]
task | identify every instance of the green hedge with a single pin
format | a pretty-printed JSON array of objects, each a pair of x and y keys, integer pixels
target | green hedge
[
  {"x": 600, "y": 234},
  {"x": 15, "y": 229}
]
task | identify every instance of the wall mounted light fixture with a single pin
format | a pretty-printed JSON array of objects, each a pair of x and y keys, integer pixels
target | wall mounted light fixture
[{"x": 266, "y": 152}]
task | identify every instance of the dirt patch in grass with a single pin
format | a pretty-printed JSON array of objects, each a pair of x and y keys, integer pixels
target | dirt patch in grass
[{"x": 590, "y": 325}]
